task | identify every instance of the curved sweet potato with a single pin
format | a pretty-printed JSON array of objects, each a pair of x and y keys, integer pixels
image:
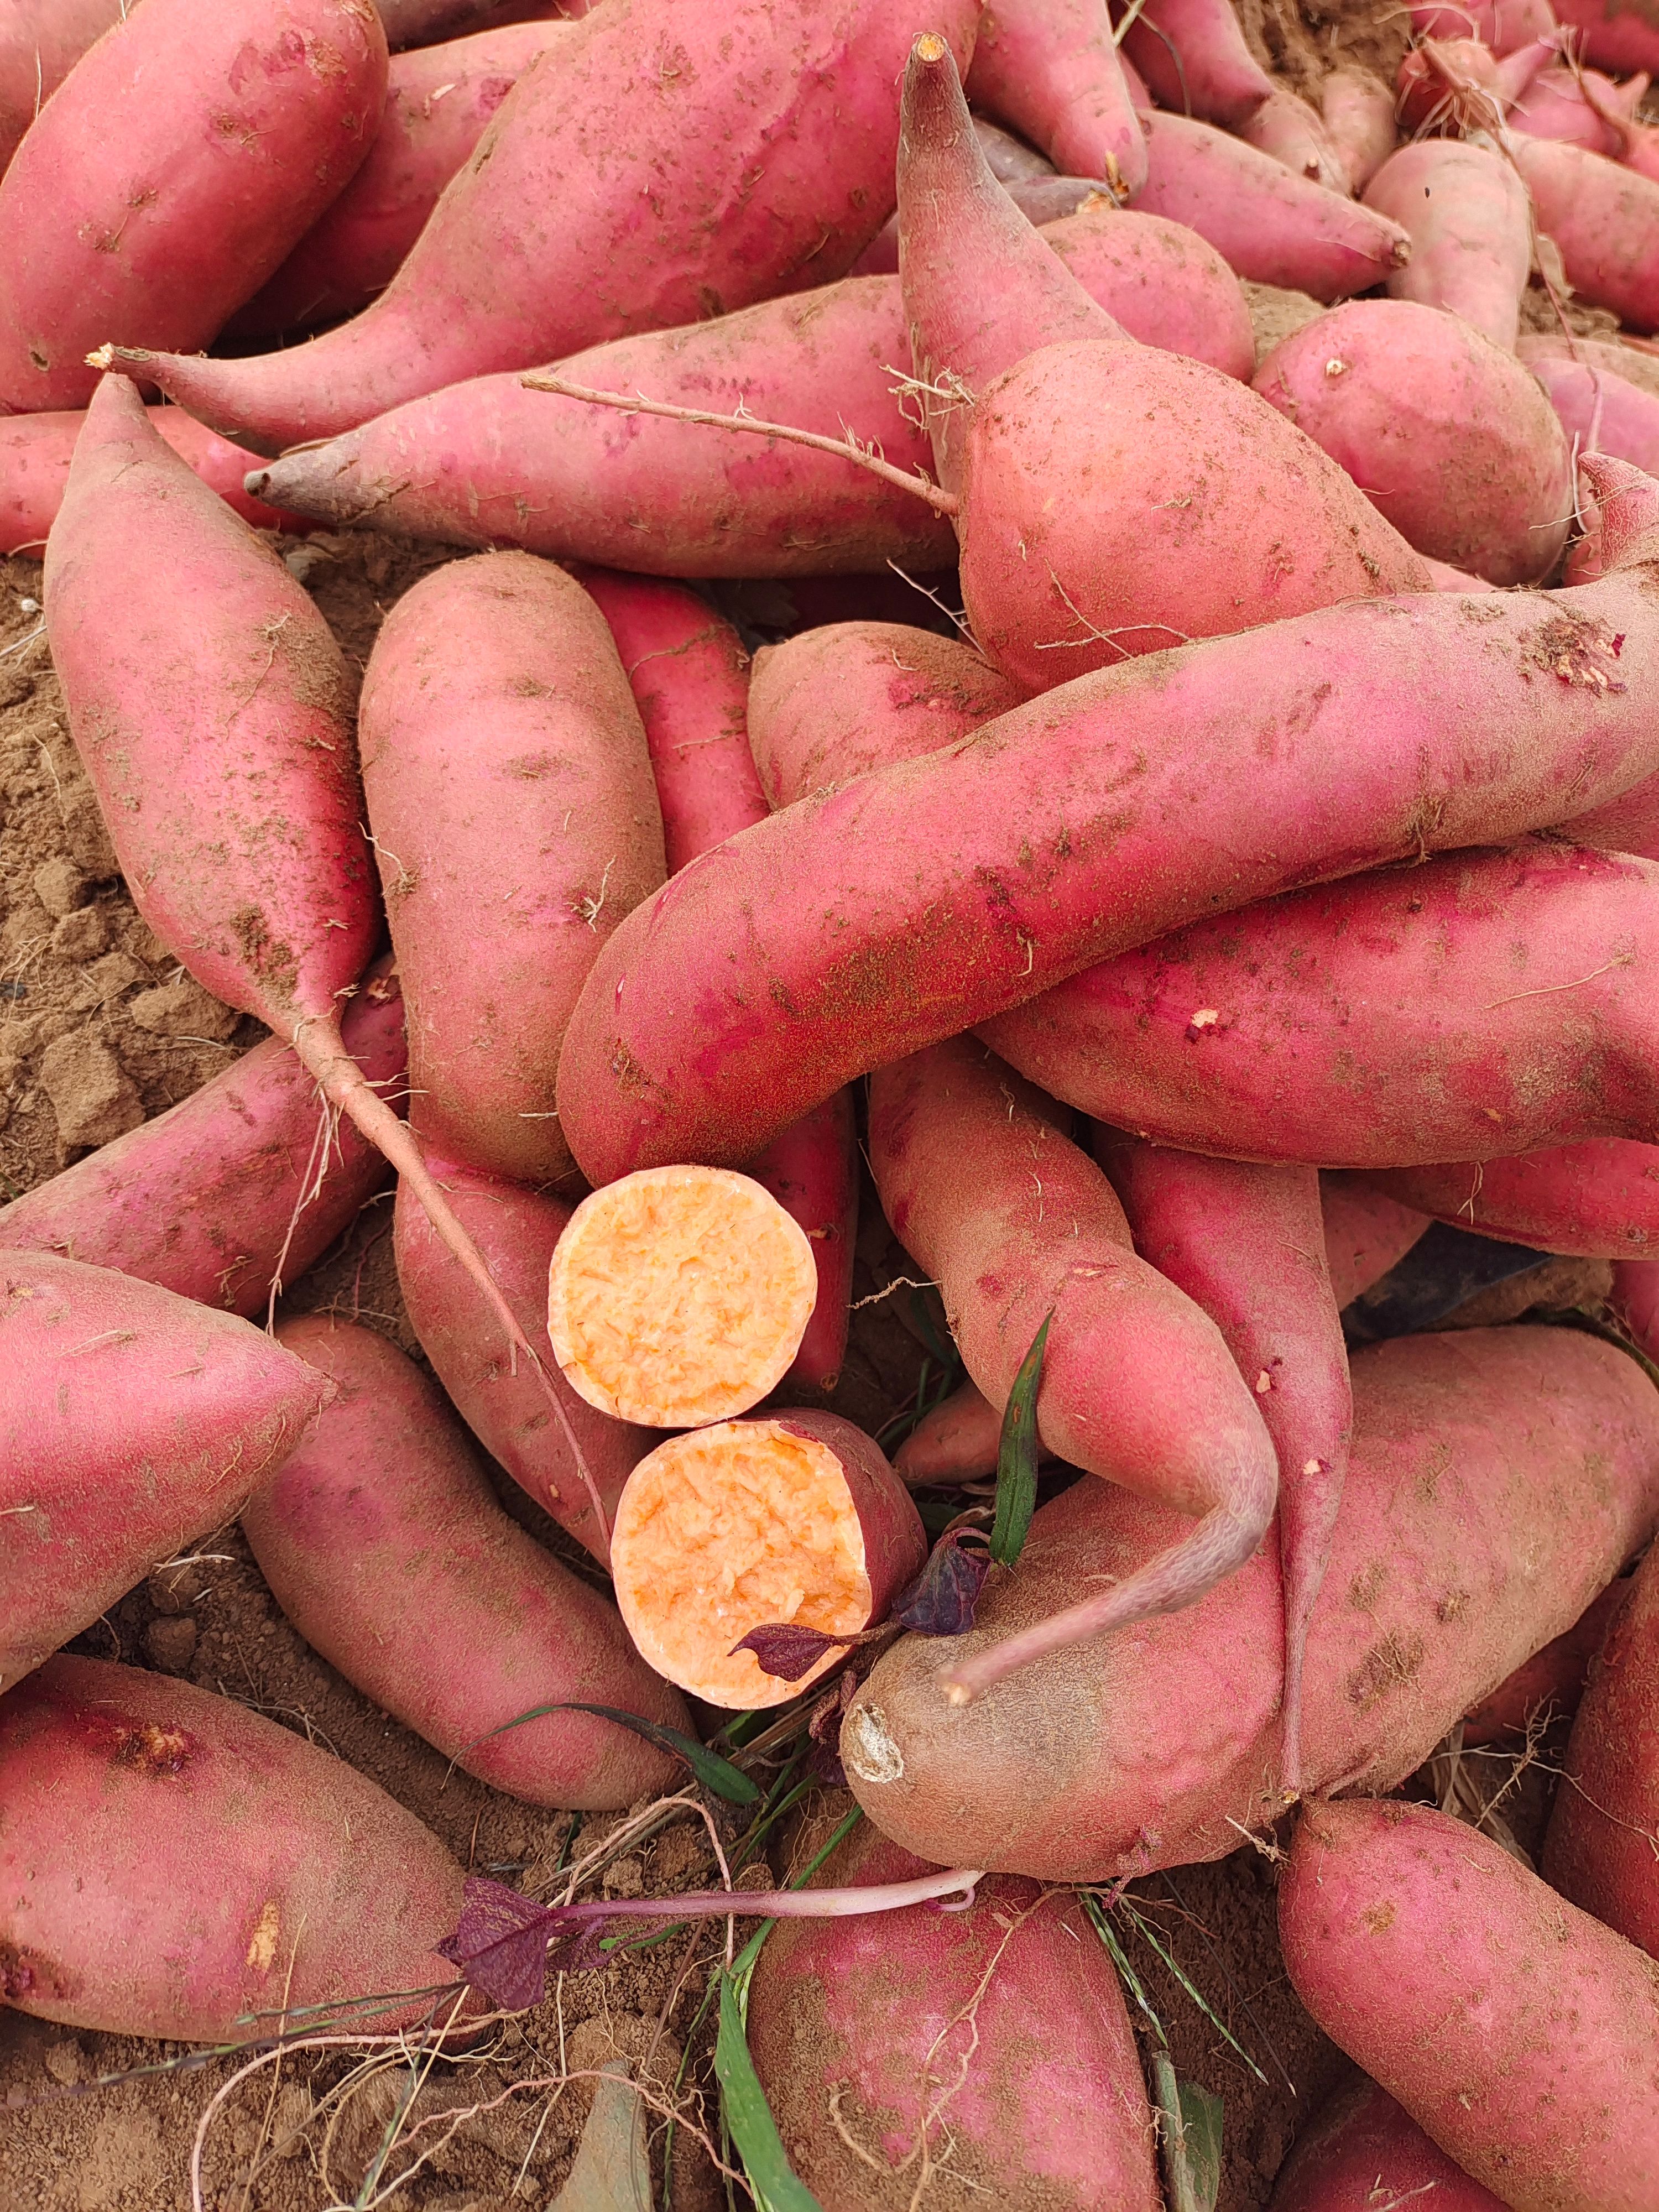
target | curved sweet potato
[
  {"x": 501, "y": 745},
  {"x": 1465, "y": 1541},
  {"x": 181, "y": 159},
  {"x": 1604, "y": 219},
  {"x": 131, "y": 1420},
  {"x": 1365, "y": 1234},
  {"x": 1467, "y": 214},
  {"x": 1051, "y": 69},
  {"x": 1599, "y": 1850},
  {"x": 505, "y": 1405},
  {"x": 1517, "y": 2031},
  {"x": 172, "y": 1864},
  {"x": 236, "y": 1190},
  {"x": 1360, "y": 2143},
  {"x": 993, "y": 2040},
  {"x": 650, "y": 106},
  {"x": 1112, "y": 810},
  {"x": 1357, "y": 107},
  {"x": 1551, "y": 1684},
  {"x": 1138, "y": 1384},
  {"x": 1599, "y": 1199},
  {"x": 382, "y": 1543},
  {"x": 1448, "y": 435},
  {"x": 1484, "y": 1005},
  {"x": 1600, "y": 411},
  {"x": 41, "y": 42}
]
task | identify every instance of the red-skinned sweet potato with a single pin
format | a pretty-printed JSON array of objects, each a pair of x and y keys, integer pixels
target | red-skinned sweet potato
[
  {"x": 1051, "y": 68},
  {"x": 1484, "y": 1005},
  {"x": 172, "y": 1864},
  {"x": 236, "y": 1190},
  {"x": 1600, "y": 411},
  {"x": 1448, "y": 435},
  {"x": 1614, "y": 38},
  {"x": 1269, "y": 224},
  {"x": 811, "y": 1169},
  {"x": 504, "y": 1405},
  {"x": 36, "y": 450},
  {"x": 650, "y": 106},
  {"x": 1465, "y": 1542},
  {"x": 1517, "y": 2031},
  {"x": 1550, "y": 1684},
  {"x": 1247, "y": 1244},
  {"x": 1580, "y": 108},
  {"x": 1365, "y": 1234},
  {"x": 490, "y": 463},
  {"x": 1505, "y": 26},
  {"x": 1604, "y": 219},
  {"x": 792, "y": 1521},
  {"x": 948, "y": 2045},
  {"x": 1357, "y": 108},
  {"x": 1361, "y": 2146},
  {"x": 438, "y": 101},
  {"x": 1036, "y": 1236},
  {"x": 1599, "y": 1199},
  {"x": 1111, "y": 811},
  {"x": 183, "y": 156},
  {"x": 1600, "y": 1848},
  {"x": 501, "y": 745},
  {"x": 956, "y": 1441},
  {"x": 1467, "y": 214},
  {"x": 382, "y": 1543},
  {"x": 131, "y": 1420},
  {"x": 41, "y": 42}
]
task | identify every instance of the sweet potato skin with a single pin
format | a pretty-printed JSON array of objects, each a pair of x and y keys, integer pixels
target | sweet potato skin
[
  {"x": 1416, "y": 1008},
  {"x": 226, "y": 1194},
  {"x": 880, "y": 2011},
  {"x": 1449, "y": 435},
  {"x": 504, "y": 1405},
  {"x": 173, "y": 1863},
  {"x": 1598, "y": 1200},
  {"x": 1079, "y": 1770},
  {"x": 384, "y": 1545},
  {"x": 1097, "y": 818},
  {"x": 1365, "y": 1233},
  {"x": 1480, "y": 2001},
  {"x": 35, "y": 451},
  {"x": 1360, "y": 2143},
  {"x": 184, "y": 157},
  {"x": 1467, "y": 214},
  {"x": 1550, "y": 1683},
  {"x": 1053, "y": 71},
  {"x": 1598, "y": 1850},
  {"x": 41, "y": 42},
  {"x": 1604, "y": 217},
  {"x": 500, "y": 744},
  {"x": 130, "y": 1421}
]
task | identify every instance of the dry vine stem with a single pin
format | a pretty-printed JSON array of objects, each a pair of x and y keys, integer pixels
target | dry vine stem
[{"x": 942, "y": 502}]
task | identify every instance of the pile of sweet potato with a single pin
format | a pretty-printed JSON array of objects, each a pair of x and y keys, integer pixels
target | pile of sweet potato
[{"x": 1207, "y": 940}]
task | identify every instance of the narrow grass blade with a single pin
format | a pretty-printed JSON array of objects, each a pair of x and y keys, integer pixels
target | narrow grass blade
[
  {"x": 717, "y": 1775},
  {"x": 1017, "y": 1457}
]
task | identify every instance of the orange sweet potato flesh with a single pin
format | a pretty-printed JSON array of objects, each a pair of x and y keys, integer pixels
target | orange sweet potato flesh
[
  {"x": 1468, "y": 1538},
  {"x": 795, "y": 1519},
  {"x": 680, "y": 1296}
]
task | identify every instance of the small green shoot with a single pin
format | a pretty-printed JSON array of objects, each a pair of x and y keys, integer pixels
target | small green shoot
[
  {"x": 717, "y": 1775},
  {"x": 1017, "y": 1457}
]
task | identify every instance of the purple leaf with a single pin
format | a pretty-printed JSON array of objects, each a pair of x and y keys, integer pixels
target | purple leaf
[
  {"x": 942, "y": 1599},
  {"x": 500, "y": 1945},
  {"x": 786, "y": 1652}
]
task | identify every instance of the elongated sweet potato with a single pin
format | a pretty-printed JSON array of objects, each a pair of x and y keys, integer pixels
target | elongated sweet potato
[
  {"x": 1051, "y": 69},
  {"x": 1364, "y": 1233},
  {"x": 41, "y": 42},
  {"x": 1465, "y": 212},
  {"x": 490, "y": 463},
  {"x": 1038, "y": 1237},
  {"x": 501, "y": 745},
  {"x": 182, "y": 158},
  {"x": 1465, "y": 1541},
  {"x": 238, "y": 1189},
  {"x": 35, "y": 451},
  {"x": 1599, "y": 1199},
  {"x": 811, "y": 1169},
  {"x": 792, "y": 1521},
  {"x": 1247, "y": 1244},
  {"x": 131, "y": 1420},
  {"x": 1361, "y": 2144},
  {"x": 988, "y": 2049},
  {"x": 1193, "y": 56},
  {"x": 1600, "y": 1850},
  {"x": 956, "y": 1441},
  {"x": 1357, "y": 107},
  {"x": 1604, "y": 217},
  {"x": 1482, "y": 1006},
  {"x": 172, "y": 1864},
  {"x": 438, "y": 101},
  {"x": 382, "y": 1543},
  {"x": 1112, "y": 810},
  {"x": 651, "y": 105},
  {"x": 1600, "y": 411},
  {"x": 1580, "y": 108},
  {"x": 1614, "y": 38},
  {"x": 501, "y": 1402},
  {"x": 1043, "y": 389},
  {"x": 1517, "y": 2031},
  {"x": 1448, "y": 435},
  {"x": 1551, "y": 1684},
  {"x": 1268, "y": 224}
]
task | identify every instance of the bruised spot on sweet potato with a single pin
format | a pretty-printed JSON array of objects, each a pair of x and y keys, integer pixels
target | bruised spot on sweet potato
[
  {"x": 146, "y": 1748},
  {"x": 262, "y": 1945},
  {"x": 25, "y": 1974},
  {"x": 730, "y": 1529},
  {"x": 680, "y": 1296}
]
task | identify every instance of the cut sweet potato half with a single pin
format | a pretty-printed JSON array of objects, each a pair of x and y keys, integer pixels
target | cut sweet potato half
[
  {"x": 797, "y": 1521},
  {"x": 680, "y": 1296}
]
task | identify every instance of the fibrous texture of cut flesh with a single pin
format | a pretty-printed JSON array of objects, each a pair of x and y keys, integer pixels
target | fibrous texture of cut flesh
[
  {"x": 726, "y": 1529},
  {"x": 680, "y": 1296}
]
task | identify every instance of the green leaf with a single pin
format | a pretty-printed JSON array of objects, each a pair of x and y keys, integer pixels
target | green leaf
[
  {"x": 717, "y": 1775},
  {"x": 1017, "y": 1457},
  {"x": 1201, "y": 2115},
  {"x": 1144, "y": 1928},
  {"x": 776, "y": 2186}
]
